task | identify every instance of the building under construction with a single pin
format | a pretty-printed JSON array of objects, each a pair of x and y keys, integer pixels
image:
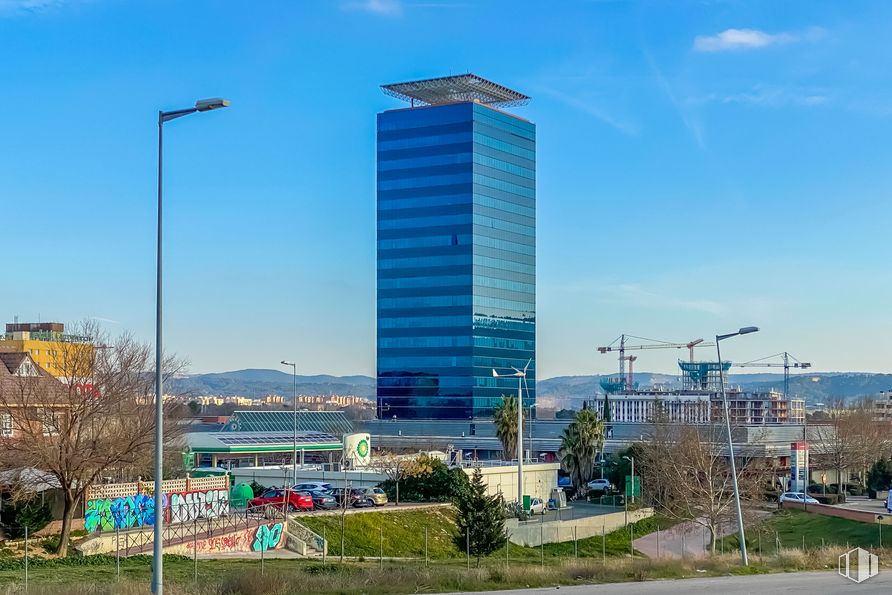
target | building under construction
[{"x": 699, "y": 401}]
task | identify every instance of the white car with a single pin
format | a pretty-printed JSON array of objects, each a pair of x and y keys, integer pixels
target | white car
[
  {"x": 599, "y": 484},
  {"x": 537, "y": 506},
  {"x": 797, "y": 497}
]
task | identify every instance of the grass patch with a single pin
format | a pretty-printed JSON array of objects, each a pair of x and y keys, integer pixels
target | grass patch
[
  {"x": 403, "y": 533},
  {"x": 795, "y": 529},
  {"x": 286, "y": 577}
]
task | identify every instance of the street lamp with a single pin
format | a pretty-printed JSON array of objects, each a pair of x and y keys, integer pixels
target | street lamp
[
  {"x": 202, "y": 105},
  {"x": 718, "y": 338},
  {"x": 294, "y": 419},
  {"x": 520, "y": 375}
]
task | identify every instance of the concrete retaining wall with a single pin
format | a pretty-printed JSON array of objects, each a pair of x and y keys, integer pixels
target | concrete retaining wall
[
  {"x": 264, "y": 536},
  {"x": 532, "y": 533}
]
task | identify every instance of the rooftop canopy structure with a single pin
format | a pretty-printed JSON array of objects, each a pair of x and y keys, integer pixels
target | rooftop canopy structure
[
  {"x": 252, "y": 442},
  {"x": 455, "y": 89},
  {"x": 328, "y": 422}
]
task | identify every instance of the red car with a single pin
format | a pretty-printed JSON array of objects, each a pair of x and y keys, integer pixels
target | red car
[{"x": 276, "y": 497}]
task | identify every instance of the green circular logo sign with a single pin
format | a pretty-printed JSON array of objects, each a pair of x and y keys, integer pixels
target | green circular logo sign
[{"x": 362, "y": 448}]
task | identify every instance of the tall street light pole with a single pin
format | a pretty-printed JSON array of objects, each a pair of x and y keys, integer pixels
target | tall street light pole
[
  {"x": 718, "y": 339},
  {"x": 294, "y": 420},
  {"x": 203, "y": 105},
  {"x": 520, "y": 375}
]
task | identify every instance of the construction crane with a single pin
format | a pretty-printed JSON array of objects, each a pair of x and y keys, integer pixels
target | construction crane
[
  {"x": 655, "y": 344},
  {"x": 786, "y": 365},
  {"x": 631, "y": 359}
]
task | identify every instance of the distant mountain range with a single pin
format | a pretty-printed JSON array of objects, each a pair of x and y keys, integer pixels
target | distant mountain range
[
  {"x": 259, "y": 383},
  {"x": 561, "y": 391}
]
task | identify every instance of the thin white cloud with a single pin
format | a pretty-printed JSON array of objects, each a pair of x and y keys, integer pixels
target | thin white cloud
[
  {"x": 589, "y": 107},
  {"x": 108, "y": 320},
  {"x": 8, "y": 7},
  {"x": 635, "y": 295},
  {"x": 751, "y": 39},
  {"x": 392, "y": 8},
  {"x": 767, "y": 96},
  {"x": 387, "y": 8},
  {"x": 689, "y": 120}
]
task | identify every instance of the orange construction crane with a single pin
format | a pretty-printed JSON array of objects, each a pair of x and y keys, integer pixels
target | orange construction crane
[{"x": 655, "y": 344}]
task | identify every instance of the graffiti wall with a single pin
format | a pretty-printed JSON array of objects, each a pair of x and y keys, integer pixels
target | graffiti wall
[
  {"x": 182, "y": 507},
  {"x": 262, "y": 538},
  {"x": 127, "y": 512}
]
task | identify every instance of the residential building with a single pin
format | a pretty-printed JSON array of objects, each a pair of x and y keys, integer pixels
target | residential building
[
  {"x": 456, "y": 261},
  {"x": 46, "y": 342},
  {"x": 20, "y": 378},
  {"x": 882, "y": 406}
]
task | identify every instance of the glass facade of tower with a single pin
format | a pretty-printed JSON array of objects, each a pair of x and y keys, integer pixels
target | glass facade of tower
[{"x": 456, "y": 259}]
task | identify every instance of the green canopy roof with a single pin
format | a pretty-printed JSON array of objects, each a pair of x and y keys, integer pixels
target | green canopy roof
[{"x": 334, "y": 423}]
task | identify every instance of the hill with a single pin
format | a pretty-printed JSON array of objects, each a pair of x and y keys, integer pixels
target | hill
[
  {"x": 561, "y": 391},
  {"x": 258, "y": 383}
]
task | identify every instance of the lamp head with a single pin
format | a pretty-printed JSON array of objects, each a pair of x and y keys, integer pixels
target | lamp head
[
  {"x": 206, "y": 105},
  {"x": 286, "y": 363},
  {"x": 747, "y": 330}
]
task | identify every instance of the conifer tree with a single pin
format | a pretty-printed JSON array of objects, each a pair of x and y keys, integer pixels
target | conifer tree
[{"x": 481, "y": 519}]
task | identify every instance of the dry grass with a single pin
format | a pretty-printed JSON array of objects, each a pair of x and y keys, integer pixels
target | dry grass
[{"x": 286, "y": 577}]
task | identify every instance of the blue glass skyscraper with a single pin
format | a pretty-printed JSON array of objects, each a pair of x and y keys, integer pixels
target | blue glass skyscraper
[{"x": 456, "y": 249}]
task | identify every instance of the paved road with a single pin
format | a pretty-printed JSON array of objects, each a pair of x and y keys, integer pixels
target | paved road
[
  {"x": 806, "y": 583},
  {"x": 865, "y": 504}
]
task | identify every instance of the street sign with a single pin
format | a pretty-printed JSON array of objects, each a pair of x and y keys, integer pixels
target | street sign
[{"x": 629, "y": 487}]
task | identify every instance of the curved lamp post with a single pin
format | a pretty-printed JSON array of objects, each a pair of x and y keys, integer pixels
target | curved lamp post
[
  {"x": 718, "y": 338},
  {"x": 202, "y": 105}
]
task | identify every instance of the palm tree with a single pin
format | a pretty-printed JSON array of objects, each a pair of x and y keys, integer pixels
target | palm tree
[
  {"x": 569, "y": 453},
  {"x": 504, "y": 417},
  {"x": 580, "y": 443}
]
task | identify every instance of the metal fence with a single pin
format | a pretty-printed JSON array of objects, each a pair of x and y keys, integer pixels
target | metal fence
[{"x": 428, "y": 543}]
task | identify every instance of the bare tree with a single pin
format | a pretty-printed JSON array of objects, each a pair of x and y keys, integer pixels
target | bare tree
[
  {"x": 687, "y": 476},
  {"x": 399, "y": 467},
  {"x": 849, "y": 438},
  {"x": 96, "y": 416}
]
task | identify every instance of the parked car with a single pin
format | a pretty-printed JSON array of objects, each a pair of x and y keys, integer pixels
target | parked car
[
  {"x": 276, "y": 497},
  {"x": 376, "y": 496},
  {"x": 537, "y": 506},
  {"x": 323, "y": 500},
  {"x": 353, "y": 495},
  {"x": 602, "y": 485},
  {"x": 797, "y": 497},
  {"x": 312, "y": 486}
]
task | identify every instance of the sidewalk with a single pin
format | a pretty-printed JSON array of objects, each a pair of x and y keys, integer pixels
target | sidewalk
[{"x": 688, "y": 538}]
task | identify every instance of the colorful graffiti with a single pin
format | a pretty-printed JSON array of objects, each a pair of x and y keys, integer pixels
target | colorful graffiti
[
  {"x": 119, "y": 513},
  {"x": 263, "y": 538},
  {"x": 127, "y": 512},
  {"x": 188, "y": 506},
  {"x": 267, "y": 537}
]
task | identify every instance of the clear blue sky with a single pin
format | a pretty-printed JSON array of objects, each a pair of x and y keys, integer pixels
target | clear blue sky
[{"x": 702, "y": 165}]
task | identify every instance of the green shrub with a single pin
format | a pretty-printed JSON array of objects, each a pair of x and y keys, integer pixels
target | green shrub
[
  {"x": 29, "y": 513},
  {"x": 257, "y": 488},
  {"x": 439, "y": 484},
  {"x": 51, "y": 543}
]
